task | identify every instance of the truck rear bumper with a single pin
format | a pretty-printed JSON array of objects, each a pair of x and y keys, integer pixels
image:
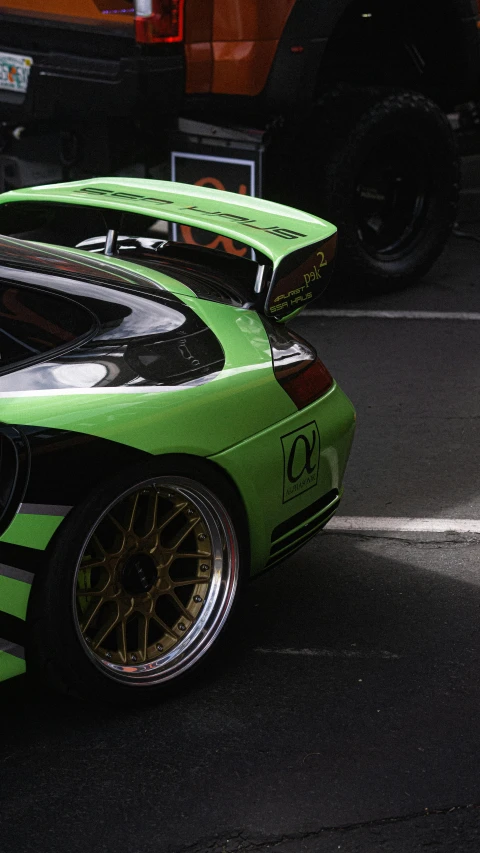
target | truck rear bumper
[{"x": 65, "y": 84}]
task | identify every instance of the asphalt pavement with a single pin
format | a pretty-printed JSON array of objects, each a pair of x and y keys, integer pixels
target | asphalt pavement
[{"x": 347, "y": 718}]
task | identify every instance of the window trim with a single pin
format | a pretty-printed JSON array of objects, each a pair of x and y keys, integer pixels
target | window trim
[{"x": 61, "y": 349}]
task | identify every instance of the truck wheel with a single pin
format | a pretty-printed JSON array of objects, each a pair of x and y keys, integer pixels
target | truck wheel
[{"x": 385, "y": 171}]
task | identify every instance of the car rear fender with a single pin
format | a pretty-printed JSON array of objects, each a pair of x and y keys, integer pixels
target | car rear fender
[{"x": 259, "y": 467}]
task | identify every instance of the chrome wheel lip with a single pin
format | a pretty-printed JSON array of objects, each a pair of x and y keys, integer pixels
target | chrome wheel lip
[{"x": 219, "y": 600}]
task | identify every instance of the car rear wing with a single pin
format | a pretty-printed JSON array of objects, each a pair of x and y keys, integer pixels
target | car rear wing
[{"x": 300, "y": 246}]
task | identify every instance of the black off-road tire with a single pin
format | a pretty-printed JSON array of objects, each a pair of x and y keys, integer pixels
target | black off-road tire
[
  {"x": 59, "y": 654},
  {"x": 362, "y": 152}
]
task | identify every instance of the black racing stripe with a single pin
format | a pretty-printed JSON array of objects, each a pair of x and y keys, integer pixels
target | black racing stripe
[
  {"x": 304, "y": 516},
  {"x": 20, "y": 557},
  {"x": 12, "y": 628},
  {"x": 299, "y": 535},
  {"x": 67, "y": 466}
]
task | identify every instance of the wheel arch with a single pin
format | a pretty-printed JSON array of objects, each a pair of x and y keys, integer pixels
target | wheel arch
[
  {"x": 207, "y": 465},
  {"x": 65, "y": 467},
  {"x": 131, "y": 459},
  {"x": 408, "y": 45},
  {"x": 371, "y": 42}
]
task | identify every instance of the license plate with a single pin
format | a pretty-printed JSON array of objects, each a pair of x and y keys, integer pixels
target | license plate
[{"x": 14, "y": 71}]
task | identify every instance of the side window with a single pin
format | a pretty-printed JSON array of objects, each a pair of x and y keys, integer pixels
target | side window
[{"x": 32, "y": 323}]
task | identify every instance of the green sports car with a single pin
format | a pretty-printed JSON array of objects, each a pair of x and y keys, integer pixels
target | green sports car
[{"x": 163, "y": 434}]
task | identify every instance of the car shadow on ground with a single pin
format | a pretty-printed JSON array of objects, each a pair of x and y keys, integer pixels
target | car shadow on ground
[{"x": 351, "y": 685}]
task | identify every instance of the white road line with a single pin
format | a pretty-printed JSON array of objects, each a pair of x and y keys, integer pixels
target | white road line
[
  {"x": 331, "y": 653},
  {"x": 392, "y": 315},
  {"x": 405, "y": 525}
]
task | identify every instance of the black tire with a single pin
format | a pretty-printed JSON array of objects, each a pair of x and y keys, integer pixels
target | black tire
[
  {"x": 383, "y": 167},
  {"x": 121, "y": 559}
]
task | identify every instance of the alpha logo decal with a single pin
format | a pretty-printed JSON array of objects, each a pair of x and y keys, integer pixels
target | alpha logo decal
[{"x": 301, "y": 454}]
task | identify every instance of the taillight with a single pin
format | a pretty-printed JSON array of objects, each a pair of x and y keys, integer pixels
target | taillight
[
  {"x": 296, "y": 366},
  {"x": 158, "y": 21}
]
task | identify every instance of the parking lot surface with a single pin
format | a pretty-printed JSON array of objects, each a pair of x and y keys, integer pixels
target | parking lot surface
[{"x": 347, "y": 716}]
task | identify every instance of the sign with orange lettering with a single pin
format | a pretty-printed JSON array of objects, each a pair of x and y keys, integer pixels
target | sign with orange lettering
[{"x": 222, "y": 173}]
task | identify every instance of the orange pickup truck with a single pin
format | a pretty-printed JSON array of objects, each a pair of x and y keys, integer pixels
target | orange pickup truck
[
  {"x": 116, "y": 54},
  {"x": 356, "y": 92}
]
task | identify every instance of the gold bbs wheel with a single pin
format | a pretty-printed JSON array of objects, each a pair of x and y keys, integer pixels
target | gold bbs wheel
[{"x": 155, "y": 580}]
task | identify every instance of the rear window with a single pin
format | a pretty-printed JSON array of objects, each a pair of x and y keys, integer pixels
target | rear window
[
  {"x": 34, "y": 323},
  {"x": 62, "y": 224},
  {"x": 211, "y": 274}
]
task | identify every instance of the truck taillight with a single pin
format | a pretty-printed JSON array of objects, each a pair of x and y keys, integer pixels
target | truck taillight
[
  {"x": 159, "y": 21},
  {"x": 296, "y": 366}
]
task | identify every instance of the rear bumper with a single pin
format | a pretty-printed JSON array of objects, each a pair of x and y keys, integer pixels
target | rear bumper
[
  {"x": 282, "y": 516},
  {"x": 296, "y": 531},
  {"x": 71, "y": 85}
]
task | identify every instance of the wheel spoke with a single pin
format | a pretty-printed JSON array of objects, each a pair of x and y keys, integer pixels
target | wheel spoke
[
  {"x": 204, "y": 555},
  {"x": 164, "y": 626},
  {"x": 86, "y": 566},
  {"x": 184, "y": 532},
  {"x": 120, "y": 529},
  {"x": 143, "y": 623},
  {"x": 122, "y": 640},
  {"x": 92, "y": 593},
  {"x": 179, "y": 508},
  {"x": 106, "y": 629},
  {"x": 151, "y": 513},
  {"x": 133, "y": 512},
  {"x": 96, "y": 541},
  {"x": 190, "y": 582},
  {"x": 181, "y": 607},
  {"x": 91, "y": 615}
]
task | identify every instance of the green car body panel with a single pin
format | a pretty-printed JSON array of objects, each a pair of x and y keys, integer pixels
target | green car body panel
[{"x": 258, "y": 422}]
